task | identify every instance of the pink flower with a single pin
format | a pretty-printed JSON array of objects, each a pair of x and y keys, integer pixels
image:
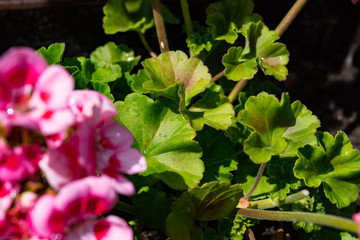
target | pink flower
[
  {"x": 29, "y": 92},
  {"x": 72, "y": 213},
  {"x": 20, "y": 162},
  {"x": 98, "y": 144}
]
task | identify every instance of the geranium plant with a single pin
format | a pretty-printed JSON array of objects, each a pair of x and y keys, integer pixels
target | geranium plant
[{"x": 195, "y": 143}]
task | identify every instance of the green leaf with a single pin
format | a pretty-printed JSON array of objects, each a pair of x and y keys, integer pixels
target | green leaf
[
  {"x": 54, "y": 53},
  {"x": 111, "y": 53},
  {"x": 239, "y": 66},
  {"x": 246, "y": 175},
  {"x": 152, "y": 207},
  {"x": 104, "y": 89},
  {"x": 219, "y": 157},
  {"x": 227, "y": 17},
  {"x": 165, "y": 139},
  {"x": 106, "y": 73},
  {"x": 213, "y": 109},
  {"x": 272, "y": 56},
  {"x": 269, "y": 120},
  {"x": 198, "y": 42},
  {"x": 133, "y": 15},
  {"x": 171, "y": 69},
  {"x": 332, "y": 163},
  {"x": 81, "y": 70},
  {"x": 283, "y": 179},
  {"x": 211, "y": 201},
  {"x": 240, "y": 226}
]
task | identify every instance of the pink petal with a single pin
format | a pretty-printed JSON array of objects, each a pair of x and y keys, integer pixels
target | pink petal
[
  {"x": 87, "y": 197},
  {"x": 120, "y": 183},
  {"x": 92, "y": 105},
  {"x": 53, "y": 89},
  {"x": 129, "y": 161},
  {"x": 8, "y": 192},
  {"x": 113, "y": 135},
  {"x": 44, "y": 219},
  {"x": 109, "y": 228}
]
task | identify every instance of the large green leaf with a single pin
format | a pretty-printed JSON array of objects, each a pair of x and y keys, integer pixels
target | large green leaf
[
  {"x": 332, "y": 163},
  {"x": 278, "y": 127},
  {"x": 211, "y": 201},
  {"x": 269, "y": 120},
  {"x": 111, "y": 53},
  {"x": 165, "y": 139},
  {"x": 227, "y": 17},
  {"x": 54, "y": 53},
  {"x": 135, "y": 15},
  {"x": 171, "y": 69}
]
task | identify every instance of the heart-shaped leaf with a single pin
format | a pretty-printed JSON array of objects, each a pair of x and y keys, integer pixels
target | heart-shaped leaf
[
  {"x": 54, "y": 53},
  {"x": 164, "y": 138}
]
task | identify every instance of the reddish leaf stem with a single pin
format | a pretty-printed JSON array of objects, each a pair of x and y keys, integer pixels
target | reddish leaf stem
[
  {"x": 160, "y": 26},
  {"x": 257, "y": 179}
]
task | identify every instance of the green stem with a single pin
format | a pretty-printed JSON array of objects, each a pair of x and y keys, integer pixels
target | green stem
[
  {"x": 269, "y": 203},
  {"x": 238, "y": 87},
  {"x": 160, "y": 26},
  {"x": 290, "y": 16},
  {"x": 317, "y": 218},
  {"x": 125, "y": 208},
  {"x": 187, "y": 20},
  {"x": 146, "y": 45},
  {"x": 257, "y": 179}
]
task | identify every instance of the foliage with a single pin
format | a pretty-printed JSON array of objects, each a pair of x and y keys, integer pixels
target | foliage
[{"x": 177, "y": 141}]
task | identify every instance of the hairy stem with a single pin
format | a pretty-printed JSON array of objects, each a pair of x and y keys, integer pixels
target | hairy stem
[
  {"x": 217, "y": 76},
  {"x": 160, "y": 26},
  {"x": 187, "y": 20},
  {"x": 269, "y": 203},
  {"x": 235, "y": 91},
  {"x": 290, "y": 16},
  {"x": 322, "y": 219},
  {"x": 257, "y": 179},
  {"x": 146, "y": 45}
]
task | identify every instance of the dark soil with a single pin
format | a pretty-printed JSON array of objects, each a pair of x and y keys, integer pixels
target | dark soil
[{"x": 318, "y": 41}]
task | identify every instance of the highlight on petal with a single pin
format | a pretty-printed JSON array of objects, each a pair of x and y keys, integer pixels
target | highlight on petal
[
  {"x": 113, "y": 135},
  {"x": 130, "y": 161},
  {"x": 91, "y": 105},
  {"x": 109, "y": 228}
]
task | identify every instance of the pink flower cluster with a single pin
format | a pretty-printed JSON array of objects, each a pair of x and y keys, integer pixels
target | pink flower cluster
[{"x": 68, "y": 136}]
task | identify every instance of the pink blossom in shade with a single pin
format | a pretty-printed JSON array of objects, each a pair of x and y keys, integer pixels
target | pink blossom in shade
[
  {"x": 78, "y": 203},
  {"x": 29, "y": 93},
  {"x": 8, "y": 192},
  {"x": 356, "y": 218},
  {"x": 20, "y": 162},
  {"x": 108, "y": 228}
]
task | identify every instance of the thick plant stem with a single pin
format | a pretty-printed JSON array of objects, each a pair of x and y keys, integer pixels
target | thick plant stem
[
  {"x": 146, "y": 45},
  {"x": 238, "y": 87},
  {"x": 321, "y": 219},
  {"x": 290, "y": 16},
  {"x": 269, "y": 203},
  {"x": 257, "y": 179},
  {"x": 160, "y": 26}
]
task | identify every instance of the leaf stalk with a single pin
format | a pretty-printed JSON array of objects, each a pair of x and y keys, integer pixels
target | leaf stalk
[
  {"x": 290, "y": 16},
  {"x": 160, "y": 26},
  {"x": 257, "y": 180},
  {"x": 235, "y": 91},
  {"x": 146, "y": 45},
  {"x": 317, "y": 218}
]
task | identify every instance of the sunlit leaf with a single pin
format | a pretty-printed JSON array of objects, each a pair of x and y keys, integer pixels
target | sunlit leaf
[
  {"x": 54, "y": 53},
  {"x": 269, "y": 120},
  {"x": 111, "y": 53},
  {"x": 227, "y": 17},
  {"x": 165, "y": 139},
  {"x": 134, "y": 15},
  {"x": 333, "y": 164}
]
